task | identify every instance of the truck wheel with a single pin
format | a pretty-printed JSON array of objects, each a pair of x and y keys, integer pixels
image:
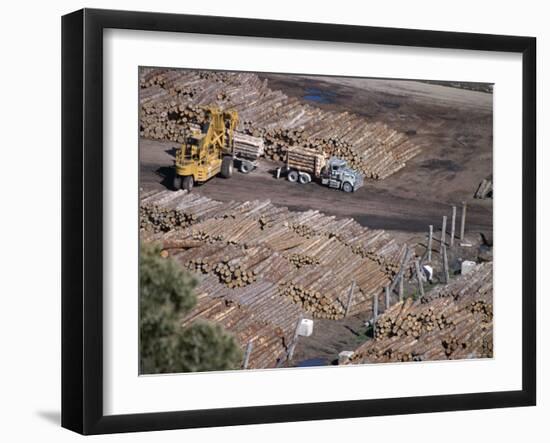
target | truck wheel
[
  {"x": 227, "y": 167},
  {"x": 292, "y": 176},
  {"x": 245, "y": 167},
  {"x": 304, "y": 178},
  {"x": 347, "y": 187},
  {"x": 187, "y": 183},
  {"x": 176, "y": 182}
]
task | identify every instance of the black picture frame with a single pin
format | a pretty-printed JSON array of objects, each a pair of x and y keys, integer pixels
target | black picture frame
[{"x": 82, "y": 218}]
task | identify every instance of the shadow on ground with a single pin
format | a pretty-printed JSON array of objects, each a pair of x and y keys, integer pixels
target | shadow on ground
[{"x": 54, "y": 417}]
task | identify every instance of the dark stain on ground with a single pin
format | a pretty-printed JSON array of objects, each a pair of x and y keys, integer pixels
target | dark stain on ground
[
  {"x": 390, "y": 105},
  {"x": 439, "y": 163},
  {"x": 329, "y": 338},
  {"x": 319, "y": 95}
]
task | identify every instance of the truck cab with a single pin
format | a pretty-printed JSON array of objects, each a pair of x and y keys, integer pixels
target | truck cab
[{"x": 337, "y": 175}]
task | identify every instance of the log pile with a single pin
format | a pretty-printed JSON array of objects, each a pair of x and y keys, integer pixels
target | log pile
[
  {"x": 158, "y": 219},
  {"x": 455, "y": 322},
  {"x": 172, "y": 100},
  {"x": 311, "y": 301},
  {"x": 232, "y": 275},
  {"x": 267, "y": 339},
  {"x": 260, "y": 255},
  {"x": 300, "y": 260},
  {"x": 478, "y": 282}
]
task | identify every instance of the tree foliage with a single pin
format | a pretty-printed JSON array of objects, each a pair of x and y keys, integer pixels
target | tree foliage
[
  {"x": 207, "y": 347},
  {"x": 166, "y": 294}
]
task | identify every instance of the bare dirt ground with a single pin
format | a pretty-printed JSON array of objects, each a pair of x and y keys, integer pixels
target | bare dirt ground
[
  {"x": 454, "y": 128},
  {"x": 373, "y": 205}
]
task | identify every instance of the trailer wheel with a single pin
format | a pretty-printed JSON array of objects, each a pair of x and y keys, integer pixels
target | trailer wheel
[
  {"x": 187, "y": 183},
  {"x": 176, "y": 182},
  {"x": 292, "y": 176},
  {"x": 245, "y": 167},
  {"x": 227, "y": 167},
  {"x": 304, "y": 178},
  {"x": 347, "y": 187}
]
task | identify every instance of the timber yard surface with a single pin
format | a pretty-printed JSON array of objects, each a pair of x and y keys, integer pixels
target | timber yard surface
[{"x": 450, "y": 133}]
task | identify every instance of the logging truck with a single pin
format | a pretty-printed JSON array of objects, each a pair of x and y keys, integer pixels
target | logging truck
[{"x": 304, "y": 165}]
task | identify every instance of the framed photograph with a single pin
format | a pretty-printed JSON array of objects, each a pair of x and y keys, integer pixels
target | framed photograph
[{"x": 270, "y": 221}]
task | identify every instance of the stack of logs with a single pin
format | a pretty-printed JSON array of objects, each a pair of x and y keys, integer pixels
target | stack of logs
[
  {"x": 314, "y": 302},
  {"x": 233, "y": 275},
  {"x": 300, "y": 260},
  {"x": 158, "y": 219},
  {"x": 173, "y": 100},
  {"x": 269, "y": 341},
  {"x": 411, "y": 324},
  {"x": 247, "y": 146},
  {"x": 454, "y": 321},
  {"x": 260, "y": 267},
  {"x": 309, "y": 252}
]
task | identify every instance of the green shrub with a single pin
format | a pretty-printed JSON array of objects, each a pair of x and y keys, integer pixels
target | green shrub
[
  {"x": 166, "y": 294},
  {"x": 207, "y": 347}
]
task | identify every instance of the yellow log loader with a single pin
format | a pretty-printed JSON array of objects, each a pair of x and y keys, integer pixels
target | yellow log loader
[{"x": 207, "y": 153}]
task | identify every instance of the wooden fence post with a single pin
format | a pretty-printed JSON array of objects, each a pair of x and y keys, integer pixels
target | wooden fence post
[
  {"x": 387, "y": 293},
  {"x": 401, "y": 288},
  {"x": 463, "y": 221},
  {"x": 401, "y": 267},
  {"x": 374, "y": 315},
  {"x": 247, "y": 353},
  {"x": 294, "y": 339},
  {"x": 445, "y": 265},
  {"x": 453, "y": 222},
  {"x": 443, "y": 232},
  {"x": 350, "y": 298},
  {"x": 430, "y": 237},
  {"x": 419, "y": 278}
]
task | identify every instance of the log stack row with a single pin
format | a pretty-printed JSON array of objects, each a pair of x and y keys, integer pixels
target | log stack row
[
  {"x": 233, "y": 275},
  {"x": 270, "y": 265},
  {"x": 171, "y": 100},
  {"x": 455, "y": 322},
  {"x": 268, "y": 341},
  {"x": 479, "y": 282},
  {"x": 159, "y": 219},
  {"x": 311, "y": 301},
  {"x": 309, "y": 250}
]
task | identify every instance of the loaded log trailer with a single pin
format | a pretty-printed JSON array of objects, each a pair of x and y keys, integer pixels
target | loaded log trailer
[
  {"x": 305, "y": 165},
  {"x": 247, "y": 149}
]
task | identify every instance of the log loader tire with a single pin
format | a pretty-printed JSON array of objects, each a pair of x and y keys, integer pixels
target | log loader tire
[
  {"x": 176, "y": 182},
  {"x": 227, "y": 167},
  {"x": 187, "y": 183}
]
